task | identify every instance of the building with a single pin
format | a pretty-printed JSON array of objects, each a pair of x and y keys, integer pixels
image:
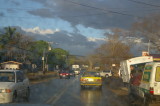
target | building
[{"x": 10, "y": 65}]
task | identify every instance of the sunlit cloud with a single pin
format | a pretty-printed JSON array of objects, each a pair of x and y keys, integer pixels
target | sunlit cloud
[
  {"x": 95, "y": 39},
  {"x": 37, "y": 30}
]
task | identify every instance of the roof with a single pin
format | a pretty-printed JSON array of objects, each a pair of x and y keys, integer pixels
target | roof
[
  {"x": 11, "y": 62},
  {"x": 2, "y": 70},
  {"x": 156, "y": 57}
]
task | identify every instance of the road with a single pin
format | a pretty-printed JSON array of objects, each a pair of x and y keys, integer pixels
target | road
[{"x": 67, "y": 92}]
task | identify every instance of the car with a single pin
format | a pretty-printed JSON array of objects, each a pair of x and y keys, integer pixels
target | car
[
  {"x": 91, "y": 78},
  {"x": 77, "y": 71},
  {"x": 13, "y": 84},
  {"x": 64, "y": 74},
  {"x": 72, "y": 73},
  {"x": 106, "y": 73}
]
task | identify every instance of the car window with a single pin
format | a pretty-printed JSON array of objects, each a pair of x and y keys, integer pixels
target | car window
[
  {"x": 20, "y": 76},
  {"x": 91, "y": 74},
  {"x": 157, "y": 78},
  {"x": 107, "y": 71},
  {"x": 146, "y": 74},
  {"x": 7, "y": 77}
]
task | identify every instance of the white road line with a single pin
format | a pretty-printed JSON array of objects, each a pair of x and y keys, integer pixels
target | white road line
[{"x": 56, "y": 97}]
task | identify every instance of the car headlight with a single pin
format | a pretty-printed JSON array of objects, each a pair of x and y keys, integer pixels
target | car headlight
[{"x": 6, "y": 90}]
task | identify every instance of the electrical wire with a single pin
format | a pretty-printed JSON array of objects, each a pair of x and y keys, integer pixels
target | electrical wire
[
  {"x": 108, "y": 11},
  {"x": 140, "y": 2}
]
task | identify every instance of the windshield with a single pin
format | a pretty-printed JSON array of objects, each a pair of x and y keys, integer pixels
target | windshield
[
  {"x": 91, "y": 74},
  {"x": 108, "y": 71},
  {"x": 7, "y": 77},
  {"x": 43, "y": 37}
]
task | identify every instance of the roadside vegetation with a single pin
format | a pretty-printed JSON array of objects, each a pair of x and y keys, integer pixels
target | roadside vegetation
[{"x": 15, "y": 46}]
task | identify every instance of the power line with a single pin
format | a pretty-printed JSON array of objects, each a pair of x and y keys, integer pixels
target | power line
[
  {"x": 108, "y": 11},
  {"x": 29, "y": 9},
  {"x": 140, "y": 2},
  {"x": 83, "y": 15}
]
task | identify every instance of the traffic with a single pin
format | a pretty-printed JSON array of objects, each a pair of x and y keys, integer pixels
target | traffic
[{"x": 80, "y": 52}]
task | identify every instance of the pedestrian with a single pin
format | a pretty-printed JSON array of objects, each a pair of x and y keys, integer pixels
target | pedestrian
[{"x": 132, "y": 73}]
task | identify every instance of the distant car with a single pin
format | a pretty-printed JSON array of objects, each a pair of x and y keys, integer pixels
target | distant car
[
  {"x": 91, "y": 78},
  {"x": 64, "y": 74},
  {"x": 72, "y": 73},
  {"x": 77, "y": 71},
  {"x": 106, "y": 73},
  {"x": 13, "y": 84}
]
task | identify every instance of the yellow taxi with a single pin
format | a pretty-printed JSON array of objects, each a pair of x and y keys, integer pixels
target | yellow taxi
[{"x": 91, "y": 78}]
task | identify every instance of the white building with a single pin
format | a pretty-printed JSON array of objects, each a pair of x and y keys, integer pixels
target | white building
[{"x": 10, "y": 65}]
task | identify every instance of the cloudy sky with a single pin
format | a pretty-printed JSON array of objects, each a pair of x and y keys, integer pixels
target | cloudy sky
[{"x": 76, "y": 25}]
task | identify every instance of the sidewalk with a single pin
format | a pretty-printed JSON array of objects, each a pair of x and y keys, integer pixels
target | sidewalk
[{"x": 40, "y": 77}]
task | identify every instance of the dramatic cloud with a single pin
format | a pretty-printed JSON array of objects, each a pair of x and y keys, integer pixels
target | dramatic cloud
[
  {"x": 107, "y": 13},
  {"x": 1, "y": 14},
  {"x": 37, "y": 30},
  {"x": 75, "y": 43},
  {"x": 15, "y": 2},
  {"x": 95, "y": 39}
]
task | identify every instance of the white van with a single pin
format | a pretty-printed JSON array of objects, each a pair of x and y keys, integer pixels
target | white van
[
  {"x": 149, "y": 88},
  {"x": 125, "y": 66}
]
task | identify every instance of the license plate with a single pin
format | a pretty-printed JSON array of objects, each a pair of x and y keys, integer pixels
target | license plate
[
  {"x": 90, "y": 80},
  {"x": 63, "y": 75}
]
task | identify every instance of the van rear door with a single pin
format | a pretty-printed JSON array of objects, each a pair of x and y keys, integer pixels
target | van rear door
[{"x": 157, "y": 81}]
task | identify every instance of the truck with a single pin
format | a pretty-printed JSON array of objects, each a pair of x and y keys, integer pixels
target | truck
[
  {"x": 76, "y": 69},
  {"x": 75, "y": 66},
  {"x": 125, "y": 66}
]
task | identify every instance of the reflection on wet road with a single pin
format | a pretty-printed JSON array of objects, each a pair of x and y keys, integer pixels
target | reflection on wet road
[
  {"x": 91, "y": 97},
  {"x": 67, "y": 92}
]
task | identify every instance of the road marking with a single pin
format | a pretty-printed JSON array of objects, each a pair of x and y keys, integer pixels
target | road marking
[{"x": 56, "y": 97}]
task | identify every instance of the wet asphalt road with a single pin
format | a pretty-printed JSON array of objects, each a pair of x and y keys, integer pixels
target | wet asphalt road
[{"x": 67, "y": 92}]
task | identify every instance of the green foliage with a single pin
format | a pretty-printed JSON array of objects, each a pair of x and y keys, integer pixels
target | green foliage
[
  {"x": 39, "y": 47},
  {"x": 60, "y": 57},
  {"x": 18, "y": 47}
]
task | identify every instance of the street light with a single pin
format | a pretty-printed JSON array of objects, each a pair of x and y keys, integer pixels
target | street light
[{"x": 45, "y": 57}]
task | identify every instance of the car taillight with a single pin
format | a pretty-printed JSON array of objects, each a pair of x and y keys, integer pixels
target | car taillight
[
  {"x": 84, "y": 79},
  {"x": 151, "y": 90},
  {"x": 67, "y": 74},
  {"x": 60, "y": 74},
  {"x": 8, "y": 91}
]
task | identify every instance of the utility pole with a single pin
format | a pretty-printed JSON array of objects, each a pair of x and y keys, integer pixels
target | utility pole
[
  {"x": 49, "y": 49},
  {"x": 43, "y": 61},
  {"x": 149, "y": 47}
]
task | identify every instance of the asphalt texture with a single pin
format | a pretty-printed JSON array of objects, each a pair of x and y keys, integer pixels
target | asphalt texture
[{"x": 67, "y": 92}]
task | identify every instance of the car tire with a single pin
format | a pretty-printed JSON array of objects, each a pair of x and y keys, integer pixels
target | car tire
[
  {"x": 14, "y": 98},
  {"x": 82, "y": 87},
  {"x": 106, "y": 76},
  {"x": 100, "y": 87},
  {"x": 145, "y": 101},
  {"x": 27, "y": 95}
]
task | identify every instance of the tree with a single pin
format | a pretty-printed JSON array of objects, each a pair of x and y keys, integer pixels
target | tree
[
  {"x": 14, "y": 45},
  {"x": 60, "y": 57},
  {"x": 148, "y": 28},
  {"x": 113, "y": 51}
]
